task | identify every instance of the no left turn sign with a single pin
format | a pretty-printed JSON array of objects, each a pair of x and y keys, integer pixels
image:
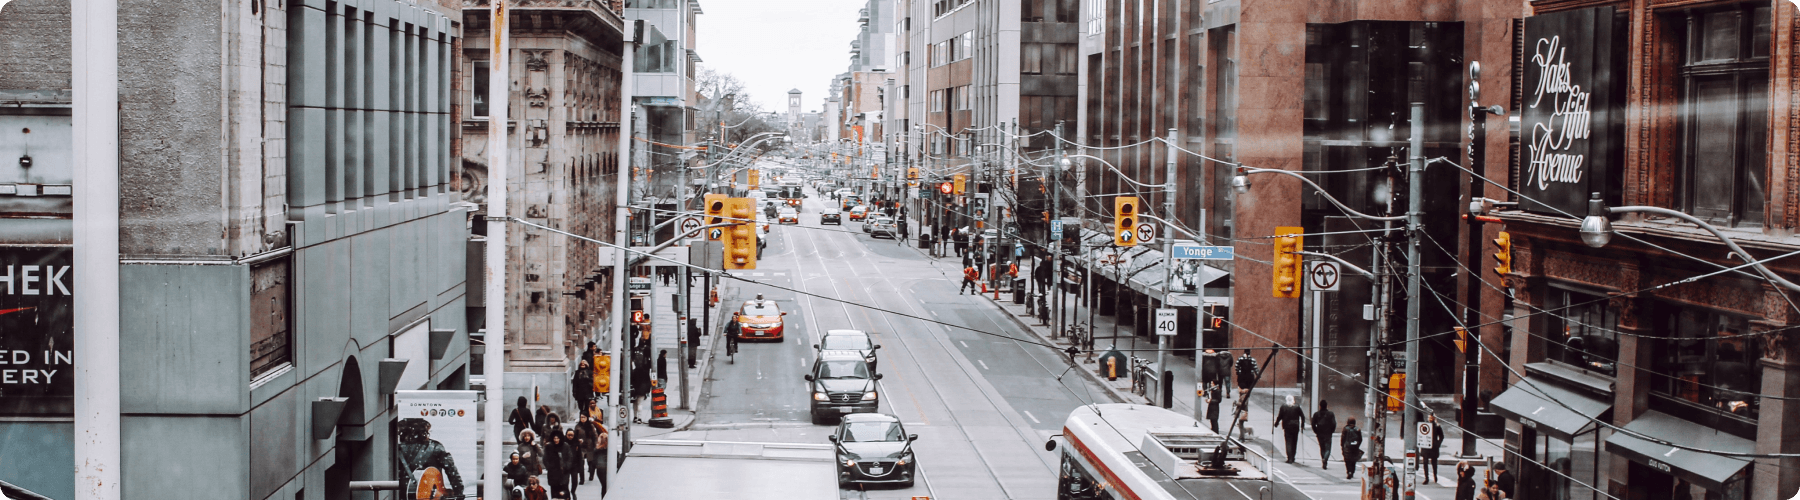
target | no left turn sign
[
  {"x": 1323, "y": 276},
  {"x": 1146, "y": 233},
  {"x": 690, "y": 226}
]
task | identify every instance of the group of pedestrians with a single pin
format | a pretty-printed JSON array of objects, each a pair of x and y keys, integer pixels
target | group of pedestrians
[
  {"x": 567, "y": 455},
  {"x": 1350, "y": 439}
]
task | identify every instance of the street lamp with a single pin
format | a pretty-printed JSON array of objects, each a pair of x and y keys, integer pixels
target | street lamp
[{"x": 1596, "y": 231}]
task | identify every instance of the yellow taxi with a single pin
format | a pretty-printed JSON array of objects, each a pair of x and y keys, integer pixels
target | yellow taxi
[
  {"x": 759, "y": 319},
  {"x": 859, "y": 212}
]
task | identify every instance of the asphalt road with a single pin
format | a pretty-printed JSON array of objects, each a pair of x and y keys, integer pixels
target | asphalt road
[{"x": 982, "y": 402}]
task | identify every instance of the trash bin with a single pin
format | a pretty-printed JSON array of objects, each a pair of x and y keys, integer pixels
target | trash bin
[{"x": 1018, "y": 289}]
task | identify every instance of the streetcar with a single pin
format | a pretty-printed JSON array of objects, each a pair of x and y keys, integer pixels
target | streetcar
[{"x": 1141, "y": 452}]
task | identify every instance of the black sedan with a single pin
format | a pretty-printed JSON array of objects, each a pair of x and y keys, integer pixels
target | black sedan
[{"x": 874, "y": 448}]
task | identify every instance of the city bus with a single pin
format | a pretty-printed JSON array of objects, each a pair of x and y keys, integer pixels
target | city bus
[{"x": 1142, "y": 452}]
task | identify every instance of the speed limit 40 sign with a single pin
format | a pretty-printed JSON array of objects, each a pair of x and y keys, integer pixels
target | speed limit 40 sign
[{"x": 1165, "y": 322}]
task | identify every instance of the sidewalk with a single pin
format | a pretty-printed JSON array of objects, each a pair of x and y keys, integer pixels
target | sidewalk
[{"x": 1263, "y": 435}]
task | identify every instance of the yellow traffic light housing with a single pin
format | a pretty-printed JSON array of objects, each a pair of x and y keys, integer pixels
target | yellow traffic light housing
[
  {"x": 912, "y": 173},
  {"x": 740, "y": 240},
  {"x": 602, "y": 373},
  {"x": 1125, "y": 215},
  {"x": 1288, "y": 268},
  {"x": 1504, "y": 256},
  {"x": 715, "y": 210},
  {"x": 961, "y": 183},
  {"x": 755, "y": 179},
  {"x": 1462, "y": 340}
]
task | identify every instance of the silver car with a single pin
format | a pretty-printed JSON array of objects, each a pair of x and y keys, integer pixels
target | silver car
[{"x": 883, "y": 225}]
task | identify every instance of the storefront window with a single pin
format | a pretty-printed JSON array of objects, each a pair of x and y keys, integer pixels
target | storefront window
[
  {"x": 1583, "y": 331},
  {"x": 1566, "y": 465},
  {"x": 1700, "y": 359}
]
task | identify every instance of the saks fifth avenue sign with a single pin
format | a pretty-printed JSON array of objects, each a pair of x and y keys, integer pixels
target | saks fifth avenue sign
[{"x": 1569, "y": 113}]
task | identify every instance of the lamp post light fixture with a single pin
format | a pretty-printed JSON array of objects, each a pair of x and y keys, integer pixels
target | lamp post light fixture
[{"x": 1596, "y": 231}]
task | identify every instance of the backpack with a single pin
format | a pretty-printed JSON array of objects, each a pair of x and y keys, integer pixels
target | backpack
[{"x": 1353, "y": 439}]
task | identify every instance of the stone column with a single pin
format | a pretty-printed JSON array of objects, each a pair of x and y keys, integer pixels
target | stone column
[{"x": 1778, "y": 424}]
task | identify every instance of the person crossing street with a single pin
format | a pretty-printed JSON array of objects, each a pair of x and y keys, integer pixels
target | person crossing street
[{"x": 969, "y": 276}]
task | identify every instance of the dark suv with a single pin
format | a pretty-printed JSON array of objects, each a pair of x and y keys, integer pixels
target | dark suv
[
  {"x": 874, "y": 448},
  {"x": 841, "y": 384}
]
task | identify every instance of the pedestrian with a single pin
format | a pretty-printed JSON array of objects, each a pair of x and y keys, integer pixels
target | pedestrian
[
  {"x": 541, "y": 421},
  {"x": 535, "y": 491},
  {"x": 530, "y": 454},
  {"x": 1491, "y": 491},
  {"x": 521, "y": 417},
  {"x": 693, "y": 343},
  {"x": 573, "y": 455},
  {"x": 1246, "y": 372},
  {"x": 582, "y": 386},
  {"x": 1290, "y": 416},
  {"x": 1504, "y": 480},
  {"x": 1351, "y": 442},
  {"x": 583, "y": 435},
  {"x": 1214, "y": 393},
  {"x": 961, "y": 239},
  {"x": 516, "y": 472},
  {"x": 662, "y": 369},
  {"x": 969, "y": 276},
  {"x": 1429, "y": 455},
  {"x": 1324, "y": 422},
  {"x": 1465, "y": 481},
  {"x": 901, "y": 227},
  {"x": 556, "y": 464},
  {"x": 596, "y": 451}
]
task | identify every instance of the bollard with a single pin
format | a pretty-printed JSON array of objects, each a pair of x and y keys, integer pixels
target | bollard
[{"x": 659, "y": 409}]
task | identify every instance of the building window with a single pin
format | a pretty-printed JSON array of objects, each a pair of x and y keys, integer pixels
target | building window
[
  {"x": 1067, "y": 62},
  {"x": 1701, "y": 358},
  {"x": 478, "y": 97},
  {"x": 658, "y": 58},
  {"x": 1067, "y": 11},
  {"x": 1583, "y": 330},
  {"x": 271, "y": 324},
  {"x": 962, "y": 98},
  {"x": 650, "y": 4},
  {"x": 1031, "y": 60},
  {"x": 965, "y": 46},
  {"x": 937, "y": 101},
  {"x": 1724, "y": 114},
  {"x": 1031, "y": 11}
]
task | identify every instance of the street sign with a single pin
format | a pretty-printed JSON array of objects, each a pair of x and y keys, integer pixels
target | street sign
[
  {"x": 1202, "y": 252},
  {"x": 1424, "y": 432},
  {"x": 717, "y": 232},
  {"x": 1323, "y": 276},
  {"x": 1056, "y": 232},
  {"x": 1146, "y": 233},
  {"x": 1165, "y": 322},
  {"x": 690, "y": 226}
]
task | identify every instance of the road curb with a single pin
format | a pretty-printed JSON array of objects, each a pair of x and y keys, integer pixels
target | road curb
[{"x": 1117, "y": 395}]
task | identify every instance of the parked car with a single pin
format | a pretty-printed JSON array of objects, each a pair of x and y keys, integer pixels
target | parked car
[{"x": 874, "y": 448}]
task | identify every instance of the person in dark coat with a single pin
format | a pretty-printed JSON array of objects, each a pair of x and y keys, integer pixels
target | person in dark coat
[
  {"x": 1324, "y": 422},
  {"x": 556, "y": 464},
  {"x": 541, "y": 421},
  {"x": 693, "y": 343},
  {"x": 1291, "y": 418},
  {"x": 1465, "y": 481},
  {"x": 1351, "y": 442},
  {"x": 516, "y": 472},
  {"x": 662, "y": 369},
  {"x": 521, "y": 418},
  {"x": 1504, "y": 480},
  {"x": 582, "y": 386},
  {"x": 1214, "y": 394},
  {"x": 595, "y": 448},
  {"x": 573, "y": 455},
  {"x": 1429, "y": 455}
]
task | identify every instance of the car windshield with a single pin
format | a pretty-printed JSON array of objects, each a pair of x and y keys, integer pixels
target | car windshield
[
  {"x": 872, "y": 432},
  {"x": 761, "y": 309},
  {"x": 785, "y": 211},
  {"x": 843, "y": 369},
  {"x": 844, "y": 343}
]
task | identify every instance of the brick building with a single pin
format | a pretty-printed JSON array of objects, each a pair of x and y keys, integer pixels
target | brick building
[
  {"x": 1694, "y": 111},
  {"x": 564, "y": 145}
]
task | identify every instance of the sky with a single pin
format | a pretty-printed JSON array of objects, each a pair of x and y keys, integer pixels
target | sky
[{"x": 777, "y": 45}]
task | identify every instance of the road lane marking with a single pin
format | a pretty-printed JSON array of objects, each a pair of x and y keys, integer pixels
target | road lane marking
[
  {"x": 1033, "y": 418},
  {"x": 983, "y": 364},
  {"x": 965, "y": 344}
]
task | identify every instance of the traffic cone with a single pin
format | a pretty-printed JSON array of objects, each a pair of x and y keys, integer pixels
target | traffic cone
[{"x": 659, "y": 409}]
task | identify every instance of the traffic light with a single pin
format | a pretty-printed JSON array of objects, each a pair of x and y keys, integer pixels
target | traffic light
[
  {"x": 1287, "y": 270},
  {"x": 1125, "y": 211},
  {"x": 715, "y": 209},
  {"x": 1504, "y": 256},
  {"x": 602, "y": 373},
  {"x": 875, "y": 171},
  {"x": 946, "y": 188},
  {"x": 912, "y": 172},
  {"x": 962, "y": 183},
  {"x": 755, "y": 179},
  {"x": 740, "y": 240}
]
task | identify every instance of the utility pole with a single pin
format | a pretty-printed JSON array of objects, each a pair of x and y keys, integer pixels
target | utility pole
[
  {"x": 1415, "y": 207},
  {"x": 1471, "y": 354},
  {"x": 620, "y": 381},
  {"x": 494, "y": 341},
  {"x": 1375, "y": 402},
  {"x": 95, "y": 121},
  {"x": 1162, "y": 341},
  {"x": 1056, "y": 218}
]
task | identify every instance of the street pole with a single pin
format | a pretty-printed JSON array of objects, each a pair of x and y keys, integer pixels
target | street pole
[
  {"x": 681, "y": 329},
  {"x": 1415, "y": 207},
  {"x": 494, "y": 307},
  {"x": 1056, "y": 243},
  {"x": 1472, "y": 316},
  {"x": 1162, "y": 341},
  {"x": 95, "y": 121},
  {"x": 620, "y": 380}
]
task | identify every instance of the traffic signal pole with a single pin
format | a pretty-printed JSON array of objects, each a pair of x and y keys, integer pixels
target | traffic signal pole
[
  {"x": 1056, "y": 243},
  {"x": 1415, "y": 207},
  {"x": 619, "y": 382},
  {"x": 1162, "y": 342}
]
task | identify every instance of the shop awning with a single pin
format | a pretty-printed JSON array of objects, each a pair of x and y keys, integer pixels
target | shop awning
[
  {"x": 1534, "y": 403},
  {"x": 1708, "y": 470}
]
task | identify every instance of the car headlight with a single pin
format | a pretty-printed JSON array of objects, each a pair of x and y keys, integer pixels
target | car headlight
[
  {"x": 869, "y": 396},
  {"x": 905, "y": 459},
  {"x": 849, "y": 463},
  {"x": 820, "y": 396}
]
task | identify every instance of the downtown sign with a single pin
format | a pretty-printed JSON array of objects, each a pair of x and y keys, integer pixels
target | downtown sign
[
  {"x": 37, "y": 331},
  {"x": 1571, "y": 110}
]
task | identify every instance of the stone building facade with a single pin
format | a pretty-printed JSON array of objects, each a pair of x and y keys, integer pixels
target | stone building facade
[
  {"x": 564, "y": 122},
  {"x": 286, "y": 211},
  {"x": 1698, "y": 116}
]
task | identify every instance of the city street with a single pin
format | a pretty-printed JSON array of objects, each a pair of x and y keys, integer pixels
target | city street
[{"x": 982, "y": 402}]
